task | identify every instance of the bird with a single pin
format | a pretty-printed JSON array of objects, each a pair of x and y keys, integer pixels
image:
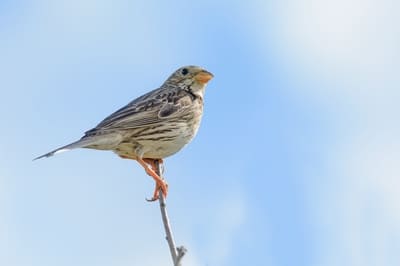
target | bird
[{"x": 153, "y": 126}]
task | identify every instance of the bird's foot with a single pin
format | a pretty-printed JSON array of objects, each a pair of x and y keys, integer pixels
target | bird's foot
[
  {"x": 164, "y": 190},
  {"x": 152, "y": 171}
]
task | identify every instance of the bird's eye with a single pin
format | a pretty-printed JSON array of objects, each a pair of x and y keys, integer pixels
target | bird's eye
[{"x": 184, "y": 71}]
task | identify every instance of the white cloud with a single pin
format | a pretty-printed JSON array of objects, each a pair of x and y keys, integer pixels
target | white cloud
[
  {"x": 349, "y": 47},
  {"x": 357, "y": 213},
  {"x": 348, "y": 51}
]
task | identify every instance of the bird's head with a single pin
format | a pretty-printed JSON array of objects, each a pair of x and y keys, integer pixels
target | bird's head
[{"x": 193, "y": 77}]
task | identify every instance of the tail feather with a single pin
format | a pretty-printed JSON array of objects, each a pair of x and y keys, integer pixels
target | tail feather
[{"x": 77, "y": 144}]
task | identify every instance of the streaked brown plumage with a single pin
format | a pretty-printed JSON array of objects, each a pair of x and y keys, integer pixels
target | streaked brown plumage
[{"x": 153, "y": 126}]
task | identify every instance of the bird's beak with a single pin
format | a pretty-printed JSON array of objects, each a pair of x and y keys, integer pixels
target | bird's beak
[{"x": 203, "y": 77}]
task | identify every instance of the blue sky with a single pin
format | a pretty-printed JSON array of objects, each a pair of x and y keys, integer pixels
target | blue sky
[{"x": 295, "y": 163}]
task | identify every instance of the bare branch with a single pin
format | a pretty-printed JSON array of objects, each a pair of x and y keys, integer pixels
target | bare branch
[{"x": 176, "y": 253}]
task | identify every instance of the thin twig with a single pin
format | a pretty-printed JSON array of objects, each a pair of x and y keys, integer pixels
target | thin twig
[{"x": 176, "y": 253}]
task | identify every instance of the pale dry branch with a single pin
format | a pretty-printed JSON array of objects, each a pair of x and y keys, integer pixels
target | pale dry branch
[{"x": 176, "y": 253}]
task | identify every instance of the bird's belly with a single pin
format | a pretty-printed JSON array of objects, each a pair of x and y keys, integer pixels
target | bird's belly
[
  {"x": 158, "y": 145},
  {"x": 162, "y": 150},
  {"x": 167, "y": 145}
]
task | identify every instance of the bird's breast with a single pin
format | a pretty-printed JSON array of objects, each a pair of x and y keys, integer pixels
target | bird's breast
[
  {"x": 164, "y": 138},
  {"x": 173, "y": 136}
]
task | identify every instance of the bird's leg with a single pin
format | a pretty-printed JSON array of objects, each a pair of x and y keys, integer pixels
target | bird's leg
[
  {"x": 154, "y": 167},
  {"x": 151, "y": 171},
  {"x": 153, "y": 164}
]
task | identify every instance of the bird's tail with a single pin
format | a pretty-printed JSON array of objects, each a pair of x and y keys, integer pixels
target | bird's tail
[{"x": 77, "y": 144}]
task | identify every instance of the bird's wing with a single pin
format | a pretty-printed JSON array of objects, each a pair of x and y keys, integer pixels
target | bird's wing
[{"x": 149, "y": 109}]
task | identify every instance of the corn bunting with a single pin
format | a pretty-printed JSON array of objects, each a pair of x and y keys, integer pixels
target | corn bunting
[{"x": 153, "y": 126}]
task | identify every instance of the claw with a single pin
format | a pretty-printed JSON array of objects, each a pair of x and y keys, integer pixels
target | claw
[
  {"x": 160, "y": 182},
  {"x": 163, "y": 186}
]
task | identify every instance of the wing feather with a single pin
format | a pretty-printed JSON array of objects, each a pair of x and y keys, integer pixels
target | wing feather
[{"x": 143, "y": 111}]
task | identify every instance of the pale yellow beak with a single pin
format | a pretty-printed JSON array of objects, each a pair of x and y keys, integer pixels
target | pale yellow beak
[{"x": 203, "y": 77}]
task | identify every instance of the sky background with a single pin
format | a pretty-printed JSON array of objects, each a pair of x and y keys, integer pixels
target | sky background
[{"x": 297, "y": 160}]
